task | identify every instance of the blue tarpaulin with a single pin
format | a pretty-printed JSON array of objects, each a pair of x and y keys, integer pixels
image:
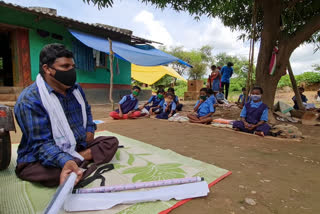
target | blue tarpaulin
[{"x": 145, "y": 55}]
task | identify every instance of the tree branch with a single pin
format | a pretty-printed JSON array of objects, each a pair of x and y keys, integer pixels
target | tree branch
[
  {"x": 304, "y": 33},
  {"x": 292, "y": 3}
]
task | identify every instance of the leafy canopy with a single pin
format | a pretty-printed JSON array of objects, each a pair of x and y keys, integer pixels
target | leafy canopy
[{"x": 237, "y": 14}]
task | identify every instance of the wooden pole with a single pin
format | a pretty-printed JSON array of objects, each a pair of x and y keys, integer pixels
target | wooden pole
[
  {"x": 111, "y": 55},
  {"x": 295, "y": 88},
  {"x": 249, "y": 82}
]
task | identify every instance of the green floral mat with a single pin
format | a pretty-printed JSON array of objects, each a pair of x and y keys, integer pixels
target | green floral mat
[{"x": 136, "y": 162}]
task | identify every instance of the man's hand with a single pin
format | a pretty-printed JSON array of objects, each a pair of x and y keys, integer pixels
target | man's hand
[
  {"x": 141, "y": 107},
  {"x": 69, "y": 167},
  {"x": 170, "y": 115},
  {"x": 90, "y": 137},
  {"x": 86, "y": 154}
]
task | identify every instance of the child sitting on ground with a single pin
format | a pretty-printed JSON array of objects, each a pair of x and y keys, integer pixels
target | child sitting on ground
[
  {"x": 220, "y": 97},
  {"x": 155, "y": 102},
  {"x": 203, "y": 109},
  {"x": 176, "y": 99},
  {"x": 254, "y": 115},
  {"x": 241, "y": 99},
  {"x": 128, "y": 107},
  {"x": 168, "y": 107},
  {"x": 212, "y": 98}
]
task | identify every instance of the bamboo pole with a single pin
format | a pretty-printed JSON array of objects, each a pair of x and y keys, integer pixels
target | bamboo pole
[
  {"x": 295, "y": 88},
  {"x": 111, "y": 55},
  {"x": 249, "y": 81}
]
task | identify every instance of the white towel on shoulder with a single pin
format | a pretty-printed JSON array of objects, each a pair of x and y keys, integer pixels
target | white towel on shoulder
[{"x": 61, "y": 131}]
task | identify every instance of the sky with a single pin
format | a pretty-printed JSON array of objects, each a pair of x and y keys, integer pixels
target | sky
[{"x": 168, "y": 27}]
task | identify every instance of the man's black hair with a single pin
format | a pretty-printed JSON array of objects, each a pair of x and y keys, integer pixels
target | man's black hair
[
  {"x": 51, "y": 52},
  {"x": 230, "y": 64},
  {"x": 136, "y": 87},
  {"x": 204, "y": 89},
  {"x": 160, "y": 91},
  {"x": 210, "y": 91},
  {"x": 244, "y": 89},
  {"x": 171, "y": 90},
  {"x": 258, "y": 88},
  {"x": 301, "y": 88},
  {"x": 213, "y": 67}
]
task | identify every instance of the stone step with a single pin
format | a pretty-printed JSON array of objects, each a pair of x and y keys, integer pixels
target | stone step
[
  {"x": 8, "y": 97},
  {"x": 7, "y": 90}
]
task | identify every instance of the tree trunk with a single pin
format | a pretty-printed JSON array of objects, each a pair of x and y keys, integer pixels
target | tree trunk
[{"x": 269, "y": 38}]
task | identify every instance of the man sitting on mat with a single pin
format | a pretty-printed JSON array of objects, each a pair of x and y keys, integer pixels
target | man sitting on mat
[
  {"x": 203, "y": 109},
  {"x": 56, "y": 123},
  {"x": 254, "y": 115},
  {"x": 128, "y": 107}
]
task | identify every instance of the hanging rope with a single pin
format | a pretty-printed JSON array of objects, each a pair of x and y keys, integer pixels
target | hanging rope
[{"x": 249, "y": 82}]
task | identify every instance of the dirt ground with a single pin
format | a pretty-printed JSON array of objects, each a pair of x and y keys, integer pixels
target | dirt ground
[{"x": 282, "y": 176}]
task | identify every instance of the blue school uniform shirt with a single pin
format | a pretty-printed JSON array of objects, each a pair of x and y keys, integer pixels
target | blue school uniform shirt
[
  {"x": 220, "y": 96},
  {"x": 241, "y": 97},
  {"x": 176, "y": 99},
  {"x": 124, "y": 98},
  {"x": 205, "y": 108},
  {"x": 165, "y": 104},
  {"x": 155, "y": 100},
  {"x": 226, "y": 74},
  {"x": 37, "y": 144},
  {"x": 264, "y": 115},
  {"x": 212, "y": 99}
]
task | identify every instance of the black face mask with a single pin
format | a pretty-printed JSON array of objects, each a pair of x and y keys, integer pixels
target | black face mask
[{"x": 67, "y": 78}]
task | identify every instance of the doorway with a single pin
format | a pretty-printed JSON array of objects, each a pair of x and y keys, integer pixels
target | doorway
[{"x": 6, "y": 69}]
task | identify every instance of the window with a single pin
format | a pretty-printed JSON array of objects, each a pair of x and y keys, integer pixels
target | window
[{"x": 100, "y": 59}]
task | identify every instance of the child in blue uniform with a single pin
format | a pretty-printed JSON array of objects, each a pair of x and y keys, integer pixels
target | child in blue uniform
[
  {"x": 175, "y": 99},
  {"x": 203, "y": 109},
  {"x": 254, "y": 115},
  {"x": 212, "y": 98},
  {"x": 241, "y": 99},
  {"x": 155, "y": 102},
  {"x": 220, "y": 97},
  {"x": 168, "y": 107},
  {"x": 128, "y": 106}
]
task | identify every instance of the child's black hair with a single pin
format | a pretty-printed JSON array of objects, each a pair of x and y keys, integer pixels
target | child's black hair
[
  {"x": 213, "y": 67},
  {"x": 136, "y": 87},
  {"x": 258, "y": 88},
  {"x": 170, "y": 95},
  {"x": 210, "y": 91},
  {"x": 171, "y": 90},
  {"x": 204, "y": 89},
  {"x": 160, "y": 91},
  {"x": 244, "y": 89}
]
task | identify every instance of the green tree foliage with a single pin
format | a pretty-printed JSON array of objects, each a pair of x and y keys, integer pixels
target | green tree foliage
[
  {"x": 201, "y": 59},
  {"x": 316, "y": 67},
  {"x": 306, "y": 77},
  {"x": 283, "y": 23}
]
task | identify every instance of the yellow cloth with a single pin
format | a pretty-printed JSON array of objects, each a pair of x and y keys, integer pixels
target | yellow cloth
[{"x": 151, "y": 74}]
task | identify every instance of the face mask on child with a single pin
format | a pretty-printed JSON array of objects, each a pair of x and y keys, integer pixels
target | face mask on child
[
  {"x": 203, "y": 97},
  {"x": 160, "y": 96},
  {"x": 256, "y": 97},
  {"x": 135, "y": 93}
]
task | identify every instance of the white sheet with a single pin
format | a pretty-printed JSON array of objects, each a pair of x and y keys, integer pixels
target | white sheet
[{"x": 101, "y": 201}]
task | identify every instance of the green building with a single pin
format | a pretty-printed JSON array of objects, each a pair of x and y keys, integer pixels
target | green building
[{"x": 23, "y": 33}]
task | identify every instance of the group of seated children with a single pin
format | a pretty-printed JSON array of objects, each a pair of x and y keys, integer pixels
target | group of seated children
[
  {"x": 164, "y": 104},
  {"x": 254, "y": 114}
]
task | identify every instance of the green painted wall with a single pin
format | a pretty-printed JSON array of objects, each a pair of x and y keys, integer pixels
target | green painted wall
[{"x": 13, "y": 17}]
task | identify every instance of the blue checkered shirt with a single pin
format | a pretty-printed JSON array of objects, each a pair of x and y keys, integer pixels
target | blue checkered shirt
[{"x": 37, "y": 142}]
